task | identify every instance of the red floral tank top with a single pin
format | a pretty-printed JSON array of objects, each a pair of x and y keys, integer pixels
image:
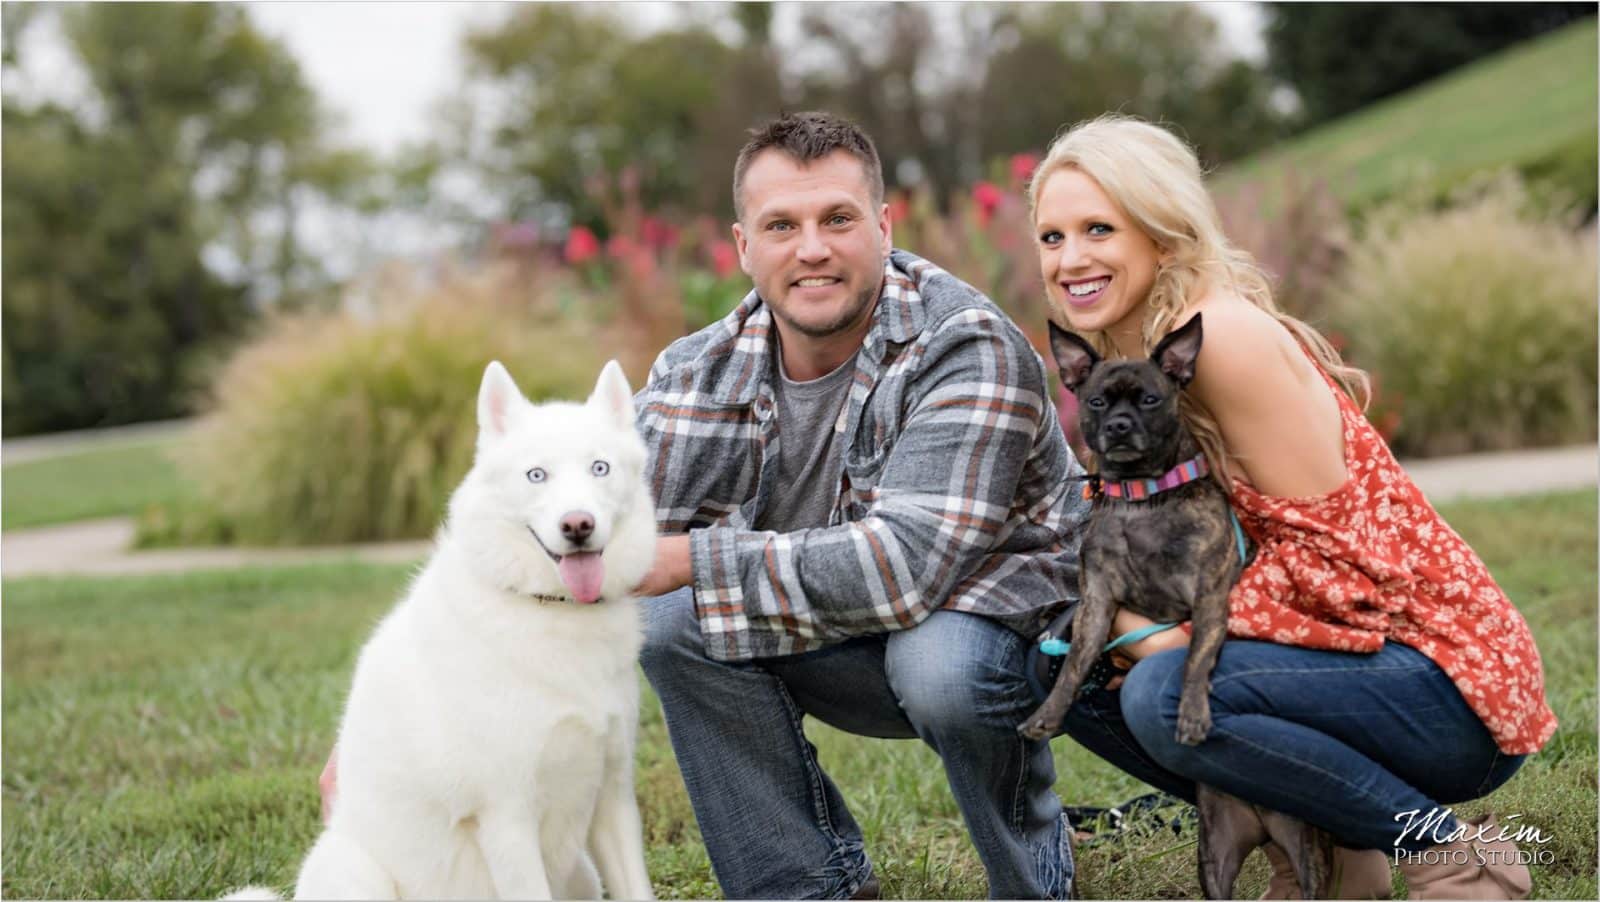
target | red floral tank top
[{"x": 1372, "y": 561}]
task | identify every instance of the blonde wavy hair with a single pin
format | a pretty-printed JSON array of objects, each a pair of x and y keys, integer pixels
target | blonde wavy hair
[{"x": 1155, "y": 179}]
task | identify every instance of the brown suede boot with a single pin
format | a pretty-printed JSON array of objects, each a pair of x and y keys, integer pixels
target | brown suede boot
[
  {"x": 1468, "y": 868},
  {"x": 1357, "y": 874}
]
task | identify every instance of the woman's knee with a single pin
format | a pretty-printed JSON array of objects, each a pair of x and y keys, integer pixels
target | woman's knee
[{"x": 1150, "y": 695}]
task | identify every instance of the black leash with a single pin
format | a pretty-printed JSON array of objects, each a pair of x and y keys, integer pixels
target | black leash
[{"x": 1107, "y": 824}]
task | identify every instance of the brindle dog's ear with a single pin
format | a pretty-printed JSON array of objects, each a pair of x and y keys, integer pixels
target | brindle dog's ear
[
  {"x": 1177, "y": 352},
  {"x": 1074, "y": 357}
]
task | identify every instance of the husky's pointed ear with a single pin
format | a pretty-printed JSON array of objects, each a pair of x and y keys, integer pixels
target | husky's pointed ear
[
  {"x": 1177, "y": 353},
  {"x": 612, "y": 394},
  {"x": 498, "y": 401},
  {"x": 1074, "y": 356}
]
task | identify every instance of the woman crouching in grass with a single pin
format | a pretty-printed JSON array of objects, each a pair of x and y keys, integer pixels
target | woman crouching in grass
[{"x": 1374, "y": 673}]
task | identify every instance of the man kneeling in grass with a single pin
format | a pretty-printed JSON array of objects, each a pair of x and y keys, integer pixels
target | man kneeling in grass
[{"x": 864, "y": 495}]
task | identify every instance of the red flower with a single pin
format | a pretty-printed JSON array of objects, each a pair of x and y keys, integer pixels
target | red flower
[
  {"x": 642, "y": 265},
  {"x": 620, "y": 246},
  {"x": 724, "y": 259},
  {"x": 987, "y": 197},
  {"x": 658, "y": 234},
  {"x": 899, "y": 208},
  {"x": 581, "y": 247},
  {"x": 1022, "y": 167}
]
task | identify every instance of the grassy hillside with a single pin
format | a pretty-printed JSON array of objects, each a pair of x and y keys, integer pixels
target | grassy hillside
[{"x": 1532, "y": 106}]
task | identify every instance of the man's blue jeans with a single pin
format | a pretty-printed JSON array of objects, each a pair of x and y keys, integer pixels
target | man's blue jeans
[
  {"x": 1343, "y": 741},
  {"x": 774, "y": 824}
]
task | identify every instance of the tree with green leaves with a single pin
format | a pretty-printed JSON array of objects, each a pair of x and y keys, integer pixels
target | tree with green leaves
[
  {"x": 146, "y": 220},
  {"x": 565, "y": 97},
  {"x": 1062, "y": 63}
]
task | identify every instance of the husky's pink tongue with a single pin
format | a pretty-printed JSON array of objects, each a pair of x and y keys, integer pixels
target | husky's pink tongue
[{"x": 583, "y": 573}]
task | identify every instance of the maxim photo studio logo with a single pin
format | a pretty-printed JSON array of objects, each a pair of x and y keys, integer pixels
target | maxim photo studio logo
[{"x": 1529, "y": 849}]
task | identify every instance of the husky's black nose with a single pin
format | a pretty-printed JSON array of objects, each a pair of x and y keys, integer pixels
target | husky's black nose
[{"x": 577, "y": 526}]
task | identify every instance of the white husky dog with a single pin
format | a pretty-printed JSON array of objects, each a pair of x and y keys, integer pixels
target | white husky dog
[{"x": 487, "y": 746}]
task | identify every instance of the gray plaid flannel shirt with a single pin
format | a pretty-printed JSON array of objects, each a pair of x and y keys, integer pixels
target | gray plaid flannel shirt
[{"x": 954, "y": 493}]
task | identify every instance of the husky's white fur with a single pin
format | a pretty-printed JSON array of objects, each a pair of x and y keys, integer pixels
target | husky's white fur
[{"x": 487, "y": 746}]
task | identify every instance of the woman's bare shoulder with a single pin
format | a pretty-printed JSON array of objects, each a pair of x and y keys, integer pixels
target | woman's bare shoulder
[
  {"x": 1278, "y": 416},
  {"x": 1241, "y": 343}
]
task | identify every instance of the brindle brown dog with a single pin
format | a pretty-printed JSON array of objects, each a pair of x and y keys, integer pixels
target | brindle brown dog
[{"x": 1161, "y": 543}]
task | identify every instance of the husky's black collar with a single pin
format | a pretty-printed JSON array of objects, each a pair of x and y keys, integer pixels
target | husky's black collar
[
  {"x": 561, "y": 599},
  {"x": 542, "y": 598}
]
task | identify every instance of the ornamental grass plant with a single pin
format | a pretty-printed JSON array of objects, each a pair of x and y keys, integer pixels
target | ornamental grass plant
[
  {"x": 356, "y": 426},
  {"x": 1477, "y": 322}
]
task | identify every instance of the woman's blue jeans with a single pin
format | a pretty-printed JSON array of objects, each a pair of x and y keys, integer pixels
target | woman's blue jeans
[
  {"x": 776, "y": 827},
  {"x": 1347, "y": 742}
]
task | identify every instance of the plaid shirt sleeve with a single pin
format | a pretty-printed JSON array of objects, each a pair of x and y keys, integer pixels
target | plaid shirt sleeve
[{"x": 975, "y": 401}]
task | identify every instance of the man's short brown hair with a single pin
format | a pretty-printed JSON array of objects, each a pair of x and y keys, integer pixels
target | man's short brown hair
[{"x": 806, "y": 137}]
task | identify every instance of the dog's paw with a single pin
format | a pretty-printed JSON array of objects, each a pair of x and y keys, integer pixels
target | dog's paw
[
  {"x": 1038, "y": 727},
  {"x": 1194, "y": 723}
]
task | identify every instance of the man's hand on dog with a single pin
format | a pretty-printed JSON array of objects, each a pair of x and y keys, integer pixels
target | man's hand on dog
[
  {"x": 1124, "y": 658},
  {"x": 671, "y": 570}
]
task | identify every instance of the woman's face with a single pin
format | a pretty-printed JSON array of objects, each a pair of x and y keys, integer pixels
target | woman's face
[{"x": 1098, "y": 266}]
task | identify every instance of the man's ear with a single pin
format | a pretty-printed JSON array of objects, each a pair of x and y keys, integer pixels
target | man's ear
[
  {"x": 1177, "y": 352},
  {"x": 887, "y": 226},
  {"x": 1074, "y": 356},
  {"x": 739, "y": 244}
]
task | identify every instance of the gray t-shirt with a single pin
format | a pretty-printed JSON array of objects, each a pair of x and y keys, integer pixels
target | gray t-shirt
[{"x": 809, "y": 462}]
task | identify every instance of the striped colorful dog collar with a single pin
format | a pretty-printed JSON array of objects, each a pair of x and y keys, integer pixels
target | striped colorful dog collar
[{"x": 1140, "y": 489}]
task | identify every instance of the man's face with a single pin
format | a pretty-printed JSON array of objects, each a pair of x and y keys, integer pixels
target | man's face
[{"x": 812, "y": 241}]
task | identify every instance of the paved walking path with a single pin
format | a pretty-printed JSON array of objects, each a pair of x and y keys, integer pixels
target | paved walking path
[
  {"x": 102, "y": 546},
  {"x": 105, "y": 547},
  {"x": 36, "y": 447}
]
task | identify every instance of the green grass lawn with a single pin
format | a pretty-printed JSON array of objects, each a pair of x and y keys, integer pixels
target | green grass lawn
[
  {"x": 163, "y": 736},
  {"x": 1533, "y": 103},
  {"x": 105, "y": 482}
]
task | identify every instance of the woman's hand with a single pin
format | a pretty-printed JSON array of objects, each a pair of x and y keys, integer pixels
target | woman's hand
[
  {"x": 1127, "y": 621},
  {"x": 328, "y": 783}
]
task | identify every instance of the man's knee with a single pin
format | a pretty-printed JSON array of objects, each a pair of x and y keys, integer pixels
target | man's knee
[
  {"x": 671, "y": 631},
  {"x": 957, "y": 671}
]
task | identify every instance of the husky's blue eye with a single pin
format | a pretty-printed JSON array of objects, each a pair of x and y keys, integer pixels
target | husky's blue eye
[
  {"x": 599, "y": 468},
  {"x": 537, "y": 474}
]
